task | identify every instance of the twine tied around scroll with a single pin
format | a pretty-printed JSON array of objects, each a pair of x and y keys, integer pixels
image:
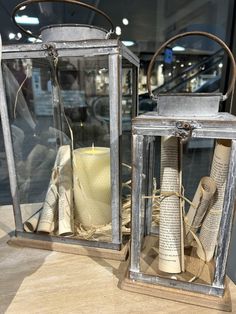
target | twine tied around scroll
[{"x": 157, "y": 199}]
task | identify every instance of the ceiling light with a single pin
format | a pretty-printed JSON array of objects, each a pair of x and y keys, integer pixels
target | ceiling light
[
  {"x": 34, "y": 40},
  {"x": 128, "y": 43},
  {"x": 190, "y": 63},
  {"x": 169, "y": 73},
  {"x": 11, "y": 36},
  {"x": 220, "y": 65},
  {"x": 182, "y": 65},
  {"x": 118, "y": 30},
  {"x": 25, "y": 19},
  {"x": 125, "y": 21},
  {"x": 178, "y": 48},
  {"x": 19, "y": 35}
]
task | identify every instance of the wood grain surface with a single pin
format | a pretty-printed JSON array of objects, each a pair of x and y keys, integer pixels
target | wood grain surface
[{"x": 40, "y": 281}]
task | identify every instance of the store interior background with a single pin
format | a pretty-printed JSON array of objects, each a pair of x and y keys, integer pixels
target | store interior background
[{"x": 197, "y": 64}]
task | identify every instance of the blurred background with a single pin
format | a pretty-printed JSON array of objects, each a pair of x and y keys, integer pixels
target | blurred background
[{"x": 192, "y": 64}]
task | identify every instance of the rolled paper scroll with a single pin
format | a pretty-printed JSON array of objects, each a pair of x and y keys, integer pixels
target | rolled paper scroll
[
  {"x": 31, "y": 224},
  {"x": 48, "y": 214},
  {"x": 219, "y": 172},
  {"x": 201, "y": 201},
  {"x": 170, "y": 239},
  {"x": 65, "y": 191},
  {"x": 58, "y": 203}
]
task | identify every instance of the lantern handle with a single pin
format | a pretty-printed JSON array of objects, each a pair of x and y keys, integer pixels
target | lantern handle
[
  {"x": 198, "y": 33},
  {"x": 25, "y": 3}
]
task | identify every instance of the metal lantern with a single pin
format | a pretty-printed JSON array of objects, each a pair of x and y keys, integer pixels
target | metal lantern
[
  {"x": 66, "y": 115},
  {"x": 183, "y": 191}
]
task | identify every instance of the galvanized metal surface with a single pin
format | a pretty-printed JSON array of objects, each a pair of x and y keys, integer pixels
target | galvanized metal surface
[
  {"x": 188, "y": 286},
  {"x": 150, "y": 173},
  {"x": 226, "y": 221},
  {"x": 221, "y": 125},
  {"x": 77, "y": 49},
  {"x": 131, "y": 57},
  {"x": 113, "y": 49},
  {"x": 188, "y": 104},
  {"x": 71, "y": 32},
  {"x": 57, "y": 104},
  {"x": 136, "y": 214},
  {"x": 135, "y": 98},
  {"x": 115, "y": 97},
  {"x": 84, "y": 242},
  {"x": 85, "y": 44},
  {"x": 10, "y": 155}
]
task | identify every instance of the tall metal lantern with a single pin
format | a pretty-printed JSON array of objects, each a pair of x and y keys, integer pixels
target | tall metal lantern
[
  {"x": 66, "y": 113},
  {"x": 183, "y": 191}
]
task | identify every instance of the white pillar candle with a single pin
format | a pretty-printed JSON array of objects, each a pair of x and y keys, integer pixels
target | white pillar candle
[{"x": 92, "y": 185}]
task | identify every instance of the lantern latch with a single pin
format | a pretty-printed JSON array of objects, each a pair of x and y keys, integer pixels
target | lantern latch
[
  {"x": 51, "y": 50},
  {"x": 184, "y": 130}
]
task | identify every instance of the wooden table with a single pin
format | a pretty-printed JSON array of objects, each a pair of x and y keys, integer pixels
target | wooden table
[{"x": 38, "y": 281}]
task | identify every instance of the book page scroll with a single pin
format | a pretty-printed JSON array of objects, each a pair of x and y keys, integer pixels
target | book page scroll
[
  {"x": 65, "y": 191},
  {"x": 31, "y": 224},
  {"x": 201, "y": 201},
  {"x": 58, "y": 201},
  {"x": 210, "y": 227},
  {"x": 47, "y": 218},
  {"x": 170, "y": 212}
]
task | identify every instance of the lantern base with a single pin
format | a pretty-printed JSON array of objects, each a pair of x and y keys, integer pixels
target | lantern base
[
  {"x": 220, "y": 303},
  {"x": 118, "y": 255}
]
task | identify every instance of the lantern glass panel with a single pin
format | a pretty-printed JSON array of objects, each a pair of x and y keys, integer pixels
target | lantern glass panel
[
  {"x": 33, "y": 134},
  {"x": 63, "y": 105},
  {"x": 127, "y": 109},
  {"x": 84, "y": 86},
  {"x": 185, "y": 182}
]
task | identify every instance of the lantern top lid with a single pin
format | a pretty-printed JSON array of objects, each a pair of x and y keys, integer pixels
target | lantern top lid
[
  {"x": 71, "y": 32},
  {"x": 188, "y": 104}
]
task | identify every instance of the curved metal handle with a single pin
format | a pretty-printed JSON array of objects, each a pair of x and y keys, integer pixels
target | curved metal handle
[
  {"x": 198, "y": 33},
  {"x": 28, "y": 2}
]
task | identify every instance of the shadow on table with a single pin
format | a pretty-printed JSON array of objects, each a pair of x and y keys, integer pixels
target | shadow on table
[
  {"x": 16, "y": 264},
  {"x": 117, "y": 268}
]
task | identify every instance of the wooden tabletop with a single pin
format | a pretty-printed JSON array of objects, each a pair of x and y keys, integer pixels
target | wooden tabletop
[{"x": 38, "y": 281}]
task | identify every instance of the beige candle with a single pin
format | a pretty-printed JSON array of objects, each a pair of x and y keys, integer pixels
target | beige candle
[{"x": 92, "y": 185}]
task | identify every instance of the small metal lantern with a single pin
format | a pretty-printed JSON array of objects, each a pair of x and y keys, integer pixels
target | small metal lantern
[
  {"x": 177, "y": 253},
  {"x": 66, "y": 111}
]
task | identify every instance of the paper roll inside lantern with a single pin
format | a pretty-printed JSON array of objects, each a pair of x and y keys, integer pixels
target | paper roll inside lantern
[{"x": 92, "y": 186}]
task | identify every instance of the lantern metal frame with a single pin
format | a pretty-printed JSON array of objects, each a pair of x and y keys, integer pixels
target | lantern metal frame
[
  {"x": 184, "y": 116},
  {"x": 114, "y": 50},
  {"x": 150, "y": 125}
]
